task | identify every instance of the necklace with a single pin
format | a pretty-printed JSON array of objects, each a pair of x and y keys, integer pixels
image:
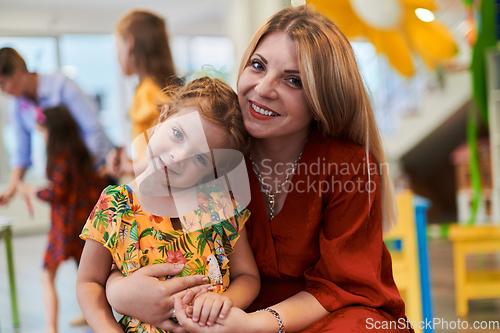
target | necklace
[{"x": 267, "y": 188}]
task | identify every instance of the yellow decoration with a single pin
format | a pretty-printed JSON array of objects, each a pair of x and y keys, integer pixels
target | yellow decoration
[{"x": 431, "y": 40}]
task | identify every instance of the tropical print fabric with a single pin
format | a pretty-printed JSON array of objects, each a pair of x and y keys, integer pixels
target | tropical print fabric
[{"x": 201, "y": 240}]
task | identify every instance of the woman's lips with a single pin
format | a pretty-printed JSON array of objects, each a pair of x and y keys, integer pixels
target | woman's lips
[{"x": 260, "y": 112}]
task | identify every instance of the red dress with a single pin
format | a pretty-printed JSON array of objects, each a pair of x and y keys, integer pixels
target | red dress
[
  {"x": 329, "y": 242},
  {"x": 72, "y": 197}
]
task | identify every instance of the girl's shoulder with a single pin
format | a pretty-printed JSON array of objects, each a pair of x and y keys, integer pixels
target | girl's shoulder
[{"x": 117, "y": 193}]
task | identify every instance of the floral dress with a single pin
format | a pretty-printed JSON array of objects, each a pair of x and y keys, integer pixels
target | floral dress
[
  {"x": 71, "y": 195},
  {"x": 201, "y": 240}
]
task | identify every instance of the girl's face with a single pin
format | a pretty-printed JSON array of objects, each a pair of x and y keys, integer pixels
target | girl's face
[
  {"x": 14, "y": 84},
  {"x": 272, "y": 100},
  {"x": 124, "y": 48},
  {"x": 179, "y": 150}
]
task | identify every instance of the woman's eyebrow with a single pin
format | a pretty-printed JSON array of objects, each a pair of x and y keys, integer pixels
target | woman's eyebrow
[
  {"x": 292, "y": 71},
  {"x": 261, "y": 57}
]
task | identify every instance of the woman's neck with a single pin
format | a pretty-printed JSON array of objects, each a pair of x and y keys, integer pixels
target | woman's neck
[
  {"x": 31, "y": 87},
  {"x": 279, "y": 150}
]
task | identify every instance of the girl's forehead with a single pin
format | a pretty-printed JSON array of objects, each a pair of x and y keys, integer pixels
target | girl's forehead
[{"x": 186, "y": 111}]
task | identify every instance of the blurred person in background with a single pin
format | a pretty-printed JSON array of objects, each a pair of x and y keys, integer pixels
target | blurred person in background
[
  {"x": 143, "y": 50},
  {"x": 74, "y": 188},
  {"x": 32, "y": 91}
]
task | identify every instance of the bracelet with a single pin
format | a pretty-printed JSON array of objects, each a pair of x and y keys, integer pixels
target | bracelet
[{"x": 278, "y": 318}]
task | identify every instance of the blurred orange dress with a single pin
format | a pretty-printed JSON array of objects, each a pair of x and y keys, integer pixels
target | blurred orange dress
[{"x": 145, "y": 111}]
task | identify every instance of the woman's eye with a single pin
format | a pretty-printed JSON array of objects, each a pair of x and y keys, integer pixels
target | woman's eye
[
  {"x": 296, "y": 81},
  {"x": 256, "y": 64},
  {"x": 178, "y": 134},
  {"x": 201, "y": 159}
]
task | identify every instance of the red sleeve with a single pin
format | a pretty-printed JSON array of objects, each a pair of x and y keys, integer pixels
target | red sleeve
[
  {"x": 354, "y": 266},
  {"x": 60, "y": 177}
]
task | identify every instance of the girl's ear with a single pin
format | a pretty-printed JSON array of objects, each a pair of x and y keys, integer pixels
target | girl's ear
[{"x": 163, "y": 113}]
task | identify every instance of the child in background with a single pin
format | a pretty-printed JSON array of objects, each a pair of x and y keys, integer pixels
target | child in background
[
  {"x": 130, "y": 225},
  {"x": 143, "y": 50},
  {"x": 74, "y": 188}
]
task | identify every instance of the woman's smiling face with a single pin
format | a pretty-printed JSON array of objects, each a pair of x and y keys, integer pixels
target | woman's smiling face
[
  {"x": 270, "y": 92},
  {"x": 179, "y": 150}
]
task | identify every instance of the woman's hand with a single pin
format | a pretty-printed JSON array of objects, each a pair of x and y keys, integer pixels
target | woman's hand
[{"x": 141, "y": 295}]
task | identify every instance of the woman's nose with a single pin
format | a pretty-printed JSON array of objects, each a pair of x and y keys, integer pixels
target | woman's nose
[{"x": 266, "y": 87}]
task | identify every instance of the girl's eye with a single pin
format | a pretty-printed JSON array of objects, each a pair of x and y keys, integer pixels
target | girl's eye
[
  {"x": 201, "y": 159},
  {"x": 257, "y": 64},
  {"x": 178, "y": 134},
  {"x": 296, "y": 81}
]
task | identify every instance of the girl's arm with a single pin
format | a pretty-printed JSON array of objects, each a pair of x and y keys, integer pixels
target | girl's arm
[
  {"x": 245, "y": 279},
  {"x": 93, "y": 271},
  {"x": 244, "y": 286}
]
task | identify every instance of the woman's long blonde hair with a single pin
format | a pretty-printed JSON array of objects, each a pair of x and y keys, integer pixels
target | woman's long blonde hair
[{"x": 333, "y": 86}]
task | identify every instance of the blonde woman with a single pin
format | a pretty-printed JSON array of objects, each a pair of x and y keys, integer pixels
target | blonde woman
[{"x": 320, "y": 193}]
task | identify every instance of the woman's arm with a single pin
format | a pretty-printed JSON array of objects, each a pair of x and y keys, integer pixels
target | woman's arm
[
  {"x": 157, "y": 308},
  {"x": 93, "y": 271},
  {"x": 297, "y": 312}
]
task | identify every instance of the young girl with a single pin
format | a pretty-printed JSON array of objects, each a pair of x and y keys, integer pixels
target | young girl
[
  {"x": 129, "y": 224},
  {"x": 74, "y": 187},
  {"x": 143, "y": 50}
]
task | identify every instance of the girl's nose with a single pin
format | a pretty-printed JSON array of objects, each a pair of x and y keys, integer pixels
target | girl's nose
[
  {"x": 266, "y": 87},
  {"x": 178, "y": 156}
]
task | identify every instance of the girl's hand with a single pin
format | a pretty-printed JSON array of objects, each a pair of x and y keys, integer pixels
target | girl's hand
[
  {"x": 113, "y": 162},
  {"x": 210, "y": 306},
  {"x": 26, "y": 190},
  {"x": 236, "y": 320},
  {"x": 141, "y": 295}
]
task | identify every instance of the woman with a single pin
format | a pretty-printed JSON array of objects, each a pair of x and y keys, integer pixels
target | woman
[{"x": 316, "y": 226}]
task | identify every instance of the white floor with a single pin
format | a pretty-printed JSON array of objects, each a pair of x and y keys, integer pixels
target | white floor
[{"x": 28, "y": 257}]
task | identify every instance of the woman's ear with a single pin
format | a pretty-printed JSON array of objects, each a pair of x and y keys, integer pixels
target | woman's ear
[{"x": 315, "y": 116}]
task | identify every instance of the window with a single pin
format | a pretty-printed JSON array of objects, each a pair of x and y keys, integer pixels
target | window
[{"x": 90, "y": 60}]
